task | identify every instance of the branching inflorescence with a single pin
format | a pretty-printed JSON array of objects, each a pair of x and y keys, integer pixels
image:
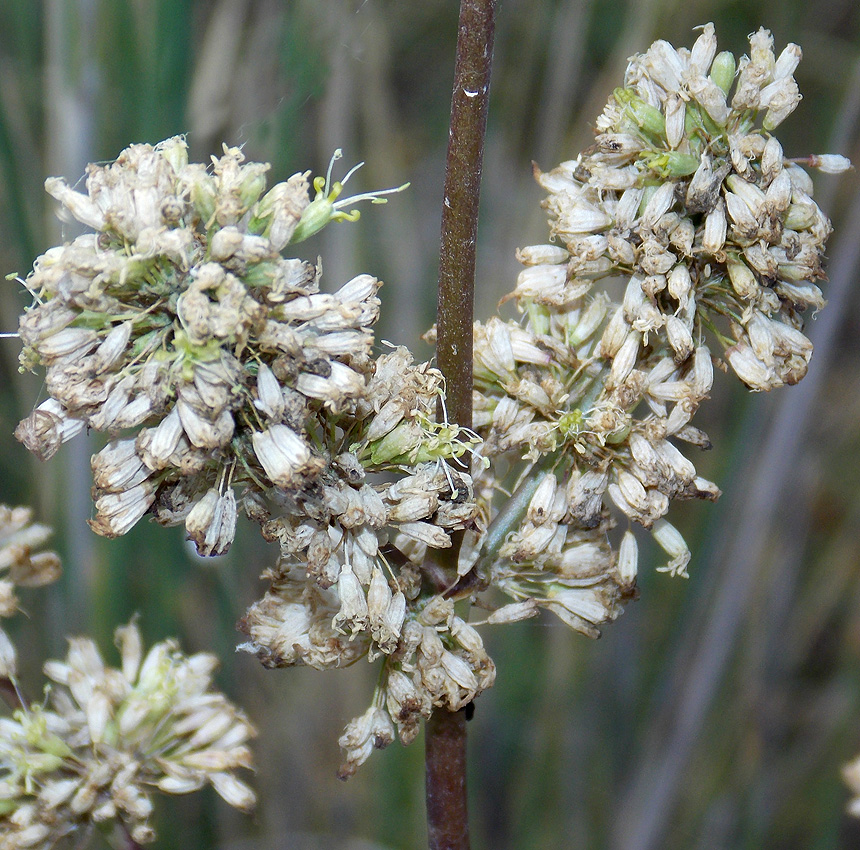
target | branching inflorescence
[{"x": 226, "y": 379}]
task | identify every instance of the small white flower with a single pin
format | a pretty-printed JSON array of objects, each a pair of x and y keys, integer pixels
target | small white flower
[
  {"x": 283, "y": 454},
  {"x": 830, "y": 163},
  {"x": 671, "y": 541}
]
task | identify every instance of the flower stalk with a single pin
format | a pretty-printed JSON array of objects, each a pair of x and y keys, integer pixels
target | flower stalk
[
  {"x": 445, "y": 776},
  {"x": 460, "y": 204},
  {"x": 445, "y": 742}
]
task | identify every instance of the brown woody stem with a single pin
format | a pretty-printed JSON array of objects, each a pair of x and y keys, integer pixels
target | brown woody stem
[
  {"x": 460, "y": 204},
  {"x": 445, "y": 778},
  {"x": 445, "y": 742}
]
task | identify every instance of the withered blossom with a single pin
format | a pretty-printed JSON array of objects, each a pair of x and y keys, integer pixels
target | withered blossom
[
  {"x": 22, "y": 565},
  {"x": 20, "y": 558},
  {"x": 228, "y": 381},
  {"x": 105, "y": 738},
  {"x": 181, "y": 322},
  {"x": 687, "y": 198},
  {"x": 178, "y": 329}
]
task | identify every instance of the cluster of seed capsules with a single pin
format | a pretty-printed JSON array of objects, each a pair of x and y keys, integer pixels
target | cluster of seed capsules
[
  {"x": 179, "y": 329},
  {"x": 216, "y": 365},
  {"x": 686, "y": 204},
  {"x": 104, "y": 739},
  {"x": 226, "y": 380},
  {"x": 98, "y": 742}
]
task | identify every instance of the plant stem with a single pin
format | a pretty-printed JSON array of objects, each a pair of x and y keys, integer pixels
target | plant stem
[
  {"x": 460, "y": 204},
  {"x": 445, "y": 777},
  {"x": 445, "y": 741}
]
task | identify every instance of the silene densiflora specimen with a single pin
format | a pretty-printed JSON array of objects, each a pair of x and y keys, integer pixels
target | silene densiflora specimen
[{"x": 230, "y": 378}]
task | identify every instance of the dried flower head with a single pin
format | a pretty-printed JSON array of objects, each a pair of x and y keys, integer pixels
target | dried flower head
[
  {"x": 23, "y": 565},
  {"x": 217, "y": 365},
  {"x": 180, "y": 330},
  {"x": 348, "y": 583},
  {"x": 687, "y": 197},
  {"x": 107, "y": 737}
]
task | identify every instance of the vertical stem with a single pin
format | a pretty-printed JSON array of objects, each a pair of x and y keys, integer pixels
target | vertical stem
[
  {"x": 445, "y": 742},
  {"x": 445, "y": 778},
  {"x": 460, "y": 204}
]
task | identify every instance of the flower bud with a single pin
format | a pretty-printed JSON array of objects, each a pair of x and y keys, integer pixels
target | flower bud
[
  {"x": 830, "y": 163},
  {"x": 723, "y": 70},
  {"x": 742, "y": 278},
  {"x": 647, "y": 117},
  {"x": 628, "y": 559},
  {"x": 353, "y": 603}
]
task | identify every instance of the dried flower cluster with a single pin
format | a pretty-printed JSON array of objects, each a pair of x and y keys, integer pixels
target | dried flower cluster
[
  {"x": 106, "y": 738},
  {"x": 20, "y": 537},
  {"x": 688, "y": 201},
  {"x": 214, "y": 363},
  {"x": 179, "y": 329},
  {"x": 349, "y": 581}
]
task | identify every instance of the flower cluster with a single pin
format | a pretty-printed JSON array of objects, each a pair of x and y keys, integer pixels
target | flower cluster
[
  {"x": 351, "y": 581},
  {"x": 215, "y": 363},
  {"x": 106, "y": 738},
  {"x": 440, "y": 662},
  {"x": 688, "y": 194},
  {"x": 178, "y": 329},
  {"x": 687, "y": 202},
  {"x": 20, "y": 537}
]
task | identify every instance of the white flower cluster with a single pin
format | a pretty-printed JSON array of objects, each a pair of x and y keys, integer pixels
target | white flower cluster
[
  {"x": 107, "y": 737},
  {"x": 22, "y": 565},
  {"x": 440, "y": 663},
  {"x": 179, "y": 321},
  {"x": 688, "y": 194},
  {"x": 214, "y": 363},
  {"x": 352, "y": 579},
  {"x": 687, "y": 198}
]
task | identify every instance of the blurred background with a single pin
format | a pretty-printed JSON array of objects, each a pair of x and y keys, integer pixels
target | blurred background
[{"x": 716, "y": 712}]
